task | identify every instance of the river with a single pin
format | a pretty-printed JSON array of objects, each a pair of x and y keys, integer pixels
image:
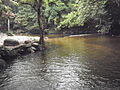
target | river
[{"x": 69, "y": 63}]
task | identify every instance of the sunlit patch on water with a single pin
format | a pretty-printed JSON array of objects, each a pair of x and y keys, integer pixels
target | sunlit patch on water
[{"x": 90, "y": 63}]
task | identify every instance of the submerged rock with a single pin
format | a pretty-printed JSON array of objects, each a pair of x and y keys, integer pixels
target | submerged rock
[
  {"x": 8, "y": 53},
  {"x": 2, "y": 63},
  {"x": 11, "y": 42},
  {"x": 34, "y": 49},
  {"x": 30, "y": 50}
]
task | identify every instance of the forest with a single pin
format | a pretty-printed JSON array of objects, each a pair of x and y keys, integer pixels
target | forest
[
  {"x": 61, "y": 16},
  {"x": 59, "y": 44}
]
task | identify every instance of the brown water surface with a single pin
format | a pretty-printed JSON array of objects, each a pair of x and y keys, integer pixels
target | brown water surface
[{"x": 69, "y": 63}]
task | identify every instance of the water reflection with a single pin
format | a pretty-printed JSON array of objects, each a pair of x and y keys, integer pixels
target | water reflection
[{"x": 77, "y": 63}]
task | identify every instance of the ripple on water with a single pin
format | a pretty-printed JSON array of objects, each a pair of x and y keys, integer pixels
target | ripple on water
[{"x": 86, "y": 64}]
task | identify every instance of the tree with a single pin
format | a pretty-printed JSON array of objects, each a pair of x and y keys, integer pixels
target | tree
[
  {"x": 6, "y": 11},
  {"x": 38, "y": 6},
  {"x": 27, "y": 18},
  {"x": 81, "y": 11},
  {"x": 53, "y": 12},
  {"x": 113, "y": 13}
]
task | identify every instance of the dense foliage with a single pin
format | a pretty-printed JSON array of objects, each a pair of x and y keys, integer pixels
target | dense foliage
[
  {"x": 6, "y": 12},
  {"x": 26, "y": 17},
  {"x": 87, "y": 16}
]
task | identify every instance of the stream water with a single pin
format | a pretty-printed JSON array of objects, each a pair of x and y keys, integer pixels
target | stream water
[{"x": 69, "y": 63}]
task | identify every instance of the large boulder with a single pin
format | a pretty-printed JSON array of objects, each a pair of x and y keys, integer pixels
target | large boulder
[{"x": 11, "y": 42}]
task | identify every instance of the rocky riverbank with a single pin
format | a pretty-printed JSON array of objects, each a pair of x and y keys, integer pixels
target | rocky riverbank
[
  {"x": 12, "y": 47},
  {"x": 12, "y": 52}
]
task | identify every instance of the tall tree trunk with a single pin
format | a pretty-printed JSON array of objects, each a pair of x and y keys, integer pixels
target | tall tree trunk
[
  {"x": 8, "y": 25},
  {"x": 38, "y": 7},
  {"x": 41, "y": 24},
  {"x": 41, "y": 41}
]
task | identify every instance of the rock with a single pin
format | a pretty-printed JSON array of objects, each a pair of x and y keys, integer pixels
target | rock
[
  {"x": 30, "y": 50},
  {"x": 27, "y": 45},
  {"x": 11, "y": 42},
  {"x": 21, "y": 51},
  {"x": 2, "y": 63},
  {"x": 12, "y": 52},
  {"x": 33, "y": 48},
  {"x": 35, "y": 44},
  {"x": 10, "y": 34},
  {"x": 7, "y": 54},
  {"x": 27, "y": 42},
  {"x": 12, "y": 48},
  {"x": 1, "y": 47}
]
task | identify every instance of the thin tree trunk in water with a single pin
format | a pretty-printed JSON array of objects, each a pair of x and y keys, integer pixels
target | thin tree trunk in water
[
  {"x": 41, "y": 24},
  {"x": 41, "y": 41}
]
